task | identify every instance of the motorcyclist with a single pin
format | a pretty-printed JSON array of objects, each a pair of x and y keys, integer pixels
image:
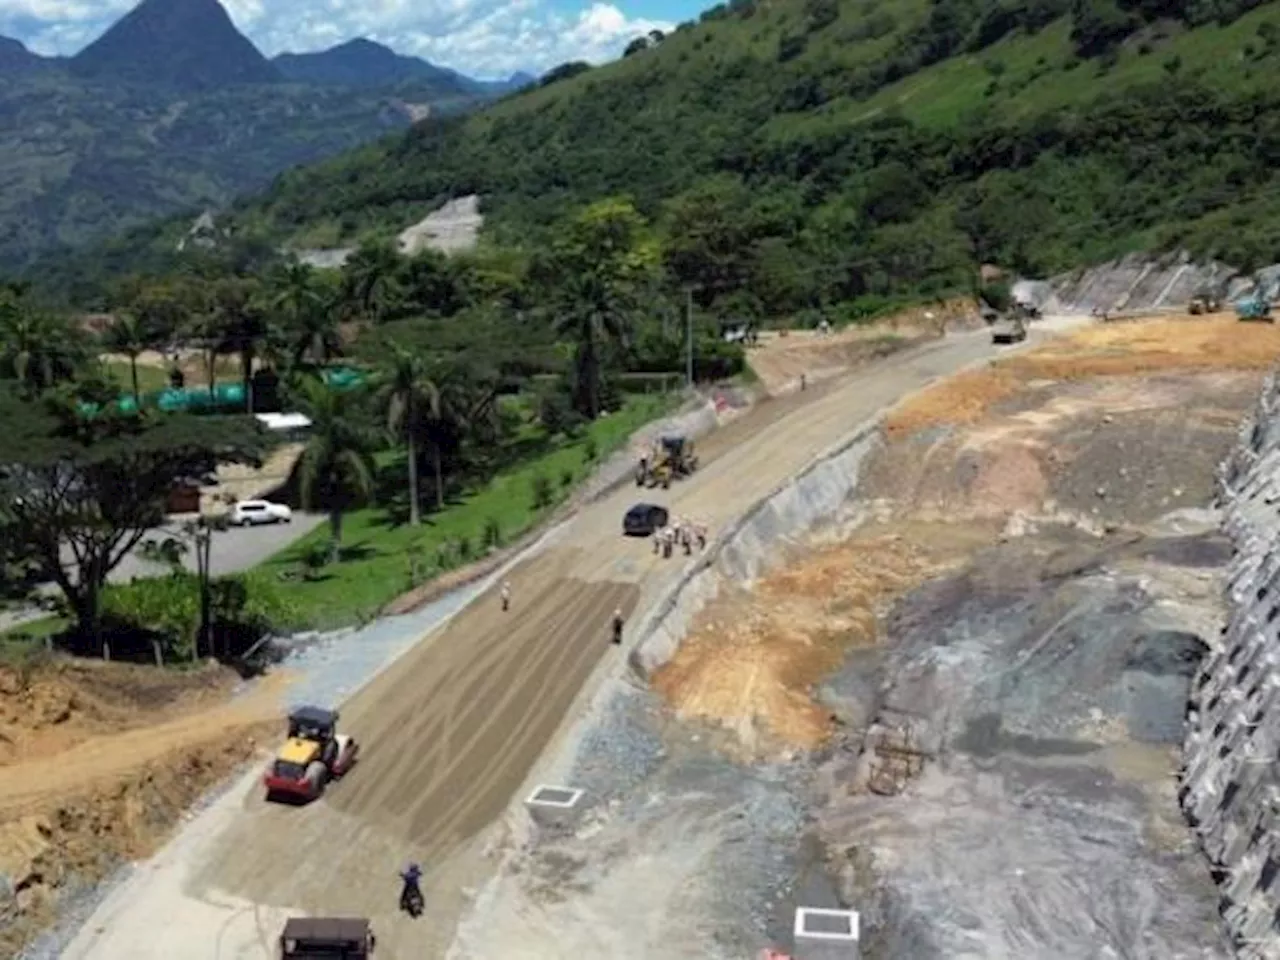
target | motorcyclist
[{"x": 412, "y": 890}]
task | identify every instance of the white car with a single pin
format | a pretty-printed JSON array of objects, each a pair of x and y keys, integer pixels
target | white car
[{"x": 250, "y": 513}]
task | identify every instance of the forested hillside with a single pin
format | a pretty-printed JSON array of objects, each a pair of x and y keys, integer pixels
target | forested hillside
[{"x": 802, "y": 153}]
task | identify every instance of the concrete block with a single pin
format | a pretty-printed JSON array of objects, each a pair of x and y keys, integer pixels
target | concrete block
[
  {"x": 553, "y": 806},
  {"x": 826, "y": 934}
]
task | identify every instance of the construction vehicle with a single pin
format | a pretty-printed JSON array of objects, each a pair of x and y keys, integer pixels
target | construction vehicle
[
  {"x": 671, "y": 456},
  {"x": 313, "y": 754},
  {"x": 324, "y": 938},
  {"x": 1254, "y": 307},
  {"x": 1009, "y": 330},
  {"x": 1204, "y": 302}
]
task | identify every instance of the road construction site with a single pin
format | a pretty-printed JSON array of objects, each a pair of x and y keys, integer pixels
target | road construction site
[{"x": 926, "y": 631}]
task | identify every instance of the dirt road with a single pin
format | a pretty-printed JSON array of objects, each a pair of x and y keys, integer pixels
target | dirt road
[{"x": 452, "y": 730}]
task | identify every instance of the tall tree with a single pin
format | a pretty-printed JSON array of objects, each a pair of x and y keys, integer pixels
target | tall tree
[
  {"x": 37, "y": 349},
  {"x": 241, "y": 325},
  {"x": 600, "y": 262},
  {"x": 336, "y": 468},
  {"x": 316, "y": 338},
  {"x": 128, "y": 337},
  {"x": 410, "y": 400},
  {"x": 82, "y": 488},
  {"x": 368, "y": 276}
]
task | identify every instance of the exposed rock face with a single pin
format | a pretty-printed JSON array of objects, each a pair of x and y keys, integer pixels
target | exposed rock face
[{"x": 1230, "y": 787}]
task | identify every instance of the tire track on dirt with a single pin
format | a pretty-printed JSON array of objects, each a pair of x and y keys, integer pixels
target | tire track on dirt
[{"x": 399, "y": 787}]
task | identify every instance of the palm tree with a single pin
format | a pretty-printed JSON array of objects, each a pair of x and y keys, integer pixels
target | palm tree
[
  {"x": 336, "y": 469},
  {"x": 241, "y": 328},
  {"x": 37, "y": 349},
  {"x": 595, "y": 313},
  {"x": 296, "y": 295},
  {"x": 310, "y": 320},
  {"x": 411, "y": 400},
  {"x": 316, "y": 338},
  {"x": 128, "y": 337},
  {"x": 367, "y": 273}
]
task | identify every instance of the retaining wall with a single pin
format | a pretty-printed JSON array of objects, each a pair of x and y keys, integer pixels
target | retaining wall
[{"x": 1230, "y": 779}]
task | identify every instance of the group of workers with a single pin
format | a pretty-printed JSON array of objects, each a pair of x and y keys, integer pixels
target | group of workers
[{"x": 680, "y": 533}]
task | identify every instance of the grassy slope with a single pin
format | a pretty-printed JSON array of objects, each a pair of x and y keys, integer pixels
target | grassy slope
[
  {"x": 716, "y": 98},
  {"x": 380, "y": 550}
]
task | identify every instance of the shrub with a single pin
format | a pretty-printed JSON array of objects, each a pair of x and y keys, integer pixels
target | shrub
[
  {"x": 541, "y": 489},
  {"x": 491, "y": 537}
]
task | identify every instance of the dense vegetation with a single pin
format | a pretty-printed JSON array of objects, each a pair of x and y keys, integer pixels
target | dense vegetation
[
  {"x": 425, "y": 378},
  {"x": 814, "y": 155}
]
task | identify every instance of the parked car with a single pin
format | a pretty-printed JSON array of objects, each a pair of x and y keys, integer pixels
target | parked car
[
  {"x": 250, "y": 513},
  {"x": 643, "y": 519}
]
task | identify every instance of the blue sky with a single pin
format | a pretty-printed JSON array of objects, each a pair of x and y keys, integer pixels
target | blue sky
[{"x": 485, "y": 38}]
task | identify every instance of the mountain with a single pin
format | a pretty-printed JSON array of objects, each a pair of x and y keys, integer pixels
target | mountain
[
  {"x": 804, "y": 153},
  {"x": 358, "y": 63},
  {"x": 188, "y": 45},
  {"x": 16, "y": 58},
  {"x": 173, "y": 110},
  {"x": 800, "y": 157},
  {"x": 364, "y": 63}
]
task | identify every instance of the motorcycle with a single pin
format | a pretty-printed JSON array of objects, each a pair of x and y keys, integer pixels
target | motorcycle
[{"x": 411, "y": 902}]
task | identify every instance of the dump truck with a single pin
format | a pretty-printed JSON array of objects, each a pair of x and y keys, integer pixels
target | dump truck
[
  {"x": 326, "y": 938},
  {"x": 313, "y": 754},
  {"x": 670, "y": 456}
]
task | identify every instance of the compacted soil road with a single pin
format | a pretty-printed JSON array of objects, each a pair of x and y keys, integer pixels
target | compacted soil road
[{"x": 452, "y": 730}]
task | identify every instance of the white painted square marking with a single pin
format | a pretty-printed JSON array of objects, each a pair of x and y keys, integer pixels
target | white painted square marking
[
  {"x": 547, "y": 796},
  {"x": 816, "y": 923}
]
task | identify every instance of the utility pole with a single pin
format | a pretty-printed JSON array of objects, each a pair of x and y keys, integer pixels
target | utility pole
[{"x": 688, "y": 332}]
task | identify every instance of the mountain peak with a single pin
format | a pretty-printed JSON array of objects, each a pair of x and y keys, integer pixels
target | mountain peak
[
  {"x": 359, "y": 63},
  {"x": 188, "y": 44},
  {"x": 16, "y": 58}
]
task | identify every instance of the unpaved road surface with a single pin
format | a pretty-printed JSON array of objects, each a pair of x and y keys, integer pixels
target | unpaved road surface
[{"x": 451, "y": 731}]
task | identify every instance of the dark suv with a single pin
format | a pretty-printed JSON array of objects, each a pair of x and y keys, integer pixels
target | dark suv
[{"x": 643, "y": 519}]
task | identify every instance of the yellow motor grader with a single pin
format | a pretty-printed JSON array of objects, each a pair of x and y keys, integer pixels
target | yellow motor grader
[{"x": 671, "y": 456}]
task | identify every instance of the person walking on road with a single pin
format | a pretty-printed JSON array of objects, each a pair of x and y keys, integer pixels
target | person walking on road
[
  {"x": 506, "y": 595},
  {"x": 617, "y": 627}
]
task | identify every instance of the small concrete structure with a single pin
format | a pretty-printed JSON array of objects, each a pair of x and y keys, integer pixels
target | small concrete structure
[
  {"x": 552, "y": 806},
  {"x": 825, "y": 934}
]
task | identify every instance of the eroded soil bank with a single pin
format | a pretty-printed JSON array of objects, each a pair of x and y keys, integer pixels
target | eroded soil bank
[{"x": 957, "y": 710}]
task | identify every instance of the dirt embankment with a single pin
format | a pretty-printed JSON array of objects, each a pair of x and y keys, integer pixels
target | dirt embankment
[
  {"x": 1109, "y": 427},
  {"x": 98, "y": 762},
  {"x": 1001, "y": 640},
  {"x": 782, "y": 357}
]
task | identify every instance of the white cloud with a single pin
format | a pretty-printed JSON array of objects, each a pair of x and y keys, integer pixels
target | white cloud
[{"x": 486, "y": 38}]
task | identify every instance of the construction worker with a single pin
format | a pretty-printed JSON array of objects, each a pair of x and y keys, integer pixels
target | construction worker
[
  {"x": 506, "y": 595},
  {"x": 617, "y": 627},
  {"x": 411, "y": 894}
]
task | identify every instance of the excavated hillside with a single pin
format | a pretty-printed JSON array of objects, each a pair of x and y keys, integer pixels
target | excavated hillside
[{"x": 956, "y": 707}]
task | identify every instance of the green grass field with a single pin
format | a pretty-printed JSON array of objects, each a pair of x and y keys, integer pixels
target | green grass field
[{"x": 379, "y": 554}]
